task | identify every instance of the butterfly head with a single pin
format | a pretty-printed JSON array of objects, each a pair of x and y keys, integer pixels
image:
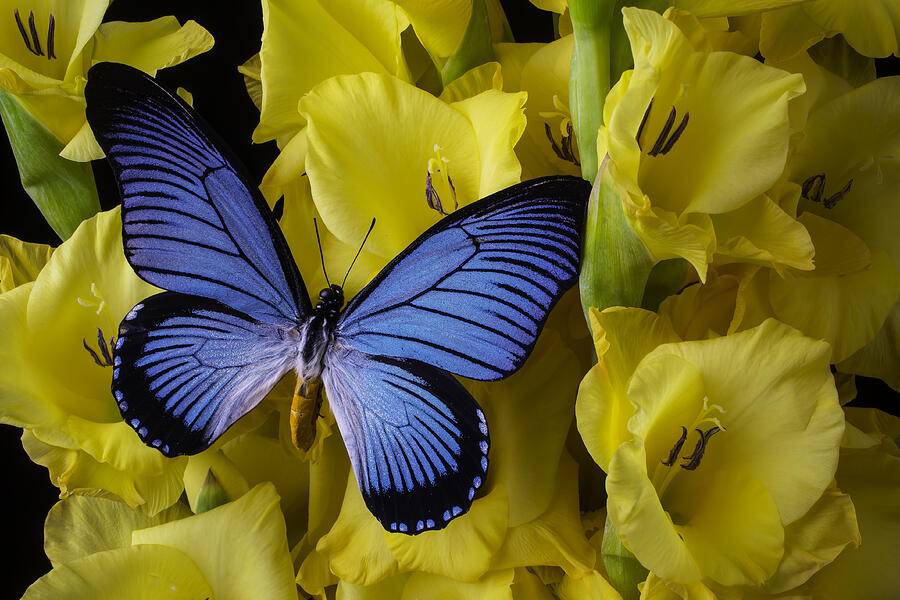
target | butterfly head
[{"x": 331, "y": 299}]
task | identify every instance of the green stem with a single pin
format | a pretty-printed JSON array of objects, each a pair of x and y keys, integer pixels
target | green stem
[{"x": 589, "y": 78}]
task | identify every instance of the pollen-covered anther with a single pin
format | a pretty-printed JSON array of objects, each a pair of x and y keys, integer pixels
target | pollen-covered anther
[
  {"x": 32, "y": 41},
  {"x": 693, "y": 461},
  {"x": 104, "y": 359},
  {"x": 437, "y": 176}
]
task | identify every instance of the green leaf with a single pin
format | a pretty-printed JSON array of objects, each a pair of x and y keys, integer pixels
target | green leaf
[
  {"x": 212, "y": 494},
  {"x": 63, "y": 190}
]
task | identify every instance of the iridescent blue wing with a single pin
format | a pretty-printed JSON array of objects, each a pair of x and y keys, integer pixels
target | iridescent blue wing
[
  {"x": 417, "y": 440},
  {"x": 190, "y": 221},
  {"x": 472, "y": 293},
  {"x": 185, "y": 368}
]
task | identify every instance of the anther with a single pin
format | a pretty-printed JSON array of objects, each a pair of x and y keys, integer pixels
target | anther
[
  {"x": 50, "y": 36},
  {"x": 673, "y": 454},
  {"x": 24, "y": 34},
  {"x": 661, "y": 140},
  {"x": 34, "y": 34},
  {"x": 106, "y": 360},
  {"x": 813, "y": 187},
  {"x": 640, "y": 130},
  {"x": 832, "y": 200},
  {"x": 565, "y": 151},
  {"x": 678, "y": 131},
  {"x": 431, "y": 196},
  {"x": 699, "y": 449}
]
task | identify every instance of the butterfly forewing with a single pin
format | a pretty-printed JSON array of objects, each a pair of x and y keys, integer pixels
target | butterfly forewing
[
  {"x": 417, "y": 440},
  {"x": 190, "y": 222},
  {"x": 472, "y": 293}
]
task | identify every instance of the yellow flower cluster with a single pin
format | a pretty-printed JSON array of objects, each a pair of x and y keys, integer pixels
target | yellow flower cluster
[{"x": 694, "y": 447}]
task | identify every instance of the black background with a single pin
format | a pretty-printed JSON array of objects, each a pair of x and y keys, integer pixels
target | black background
[{"x": 220, "y": 96}]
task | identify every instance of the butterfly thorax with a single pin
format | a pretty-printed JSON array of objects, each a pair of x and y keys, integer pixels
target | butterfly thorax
[{"x": 317, "y": 332}]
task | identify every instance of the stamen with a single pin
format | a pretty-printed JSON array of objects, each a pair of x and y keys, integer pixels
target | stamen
[
  {"x": 673, "y": 454},
  {"x": 24, "y": 34},
  {"x": 567, "y": 144},
  {"x": 699, "y": 449},
  {"x": 813, "y": 187},
  {"x": 50, "y": 31},
  {"x": 640, "y": 130},
  {"x": 832, "y": 200},
  {"x": 556, "y": 149},
  {"x": 107, "y": 359},
  {"x": 677, "y": 134},
  {"x": 34, "y": 34},
  {"x": 431, "y": 196},
  {"x": 657, "y": 147}
]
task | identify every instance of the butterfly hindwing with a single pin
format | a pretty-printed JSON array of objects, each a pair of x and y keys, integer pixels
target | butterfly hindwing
[
  {"x": 417, "y": 440},
  {"x": 186, "y": 368},
  {"x": 190, "y": 221},
  {"x": 472, "y": 293}
]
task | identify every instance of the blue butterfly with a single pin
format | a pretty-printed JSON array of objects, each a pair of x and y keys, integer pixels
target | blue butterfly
[{"x": 468, "y": 297}]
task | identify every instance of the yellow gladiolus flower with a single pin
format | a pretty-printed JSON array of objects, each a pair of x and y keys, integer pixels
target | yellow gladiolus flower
[
  {"x": 671, "y": 131},
  {"x": 55, "y": 382},
  {"x": 362, "y": 165},
  {"x": 102, "y": 549},
  {"x": 711, "y": 465},
  {"x": 850, "y": 199},
  {"x": 45, "y": 55},
  {"x": 334, "y": 38}
]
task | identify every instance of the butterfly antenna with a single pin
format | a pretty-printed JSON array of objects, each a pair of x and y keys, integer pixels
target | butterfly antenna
[
  {"x": 371, "y": 227},
  {"x": 321, "y": 255}
]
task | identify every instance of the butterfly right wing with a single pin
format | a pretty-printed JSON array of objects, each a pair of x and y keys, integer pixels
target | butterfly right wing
[
  {"x": 190, "y": 221},
  {"x": 186, "y": 368},
  {"x": 417, "y": 440}
]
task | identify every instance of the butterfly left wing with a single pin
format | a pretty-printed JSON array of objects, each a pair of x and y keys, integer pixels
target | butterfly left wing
[
  {"x": 191, "y": 222},
  {"x": 186, "y": 368},
  {"x": 471, "y": 295},
  {"x": 417, "y": 440}
]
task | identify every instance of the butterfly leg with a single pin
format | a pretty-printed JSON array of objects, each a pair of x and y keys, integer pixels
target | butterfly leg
[{"x": 305, "y": 407}]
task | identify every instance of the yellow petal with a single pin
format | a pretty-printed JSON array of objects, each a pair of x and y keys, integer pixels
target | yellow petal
[
  {"x": 880, "y": 358},
  {"x": 362, "y": 164},
  {"x": 328, "y": 46},
  {"x": 853, "y": 299},
  {"x": 20, "y": 262},
  {"x": 703, "y": 311},
  {"x": 150, "y": 46},
  {"x": 761, "y": 232},
  {"x": 786, "y": 32},
  {"x": 141, "y": 573},
  {"x": 439, "y": 24},
  {"x": 555, "y": 537},
  {"x": 500, "y": 113},
  {"x": 622, "y": 337},
  {"x": 473, "y": 82},
  {"x": 642, "y": 523},
  {"x": 871, "y": 27},
  {"x": 251, "y": 557},
  {"x": 526, "y": 444},
  {"x": 722, "y": 8},
  {"x": 82, "y": 525},
  {"x": 815, "y": 540}
]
